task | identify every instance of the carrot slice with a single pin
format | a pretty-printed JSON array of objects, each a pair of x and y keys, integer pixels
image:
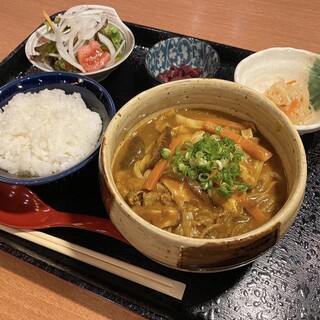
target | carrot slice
[
  {"x": 160, "y": 166},
  {"x": 291, "y": 82},
  {"x": 253, "y": 149},
  {"x": 251, "y": 207},
  {"x": 292, "y": 106}
]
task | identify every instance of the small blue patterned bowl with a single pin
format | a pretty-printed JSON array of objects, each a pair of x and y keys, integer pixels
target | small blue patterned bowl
[{"x": 179, "y": 51}]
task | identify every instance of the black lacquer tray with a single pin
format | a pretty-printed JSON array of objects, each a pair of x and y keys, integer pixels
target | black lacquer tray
[{"x": 284, "y": 283}]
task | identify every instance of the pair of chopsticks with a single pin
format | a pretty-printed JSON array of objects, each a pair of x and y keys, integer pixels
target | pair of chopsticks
[{"x": 122, "y": 269}]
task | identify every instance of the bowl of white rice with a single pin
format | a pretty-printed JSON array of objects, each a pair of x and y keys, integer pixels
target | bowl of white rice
[{"x": 51, "y": 125}]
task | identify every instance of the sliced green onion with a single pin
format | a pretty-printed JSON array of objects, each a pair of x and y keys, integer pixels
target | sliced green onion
[
  {"x": 204, "y": 185},
  {"x": 165, "y": 153},
  {"x": 211, "y": 153},
  {"x": 192, "y": 173},
  {"x": 199, "y": 154},
  {"x": 225, "y": 190},
  {"x": 218, "y": 129},
  {"x": 203, "y": 176},
  {"x": 242, "y": 187}
]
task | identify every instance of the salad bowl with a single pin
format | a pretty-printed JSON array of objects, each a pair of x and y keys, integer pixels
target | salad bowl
[
  {"x": 264, "y": 68},
  {"x": 118, "y": 32}
]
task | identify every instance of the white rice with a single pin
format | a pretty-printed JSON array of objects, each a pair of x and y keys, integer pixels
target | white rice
[{"x": 47, "y": 132}]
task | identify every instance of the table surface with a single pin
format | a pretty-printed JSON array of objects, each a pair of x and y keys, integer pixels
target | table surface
[{"x": 250, "y": 24}]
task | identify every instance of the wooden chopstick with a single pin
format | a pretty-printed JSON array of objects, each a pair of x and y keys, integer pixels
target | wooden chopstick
[{"x": 120, "y": 268}]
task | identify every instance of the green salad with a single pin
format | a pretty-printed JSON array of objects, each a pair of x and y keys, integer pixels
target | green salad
[{"x": 79, "y": 41}]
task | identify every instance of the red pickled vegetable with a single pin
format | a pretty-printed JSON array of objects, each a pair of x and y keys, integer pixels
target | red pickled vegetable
[{"x": 182, "y": 71}]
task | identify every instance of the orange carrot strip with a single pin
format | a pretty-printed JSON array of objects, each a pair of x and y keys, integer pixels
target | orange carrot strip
[
  {"x": 292, "y": 106},
  {"x": 291, "y": 82},
  {"x": 155, "y": 174},
  {"x": 251, "y": 207},
  {"x": 252, "y": 148},
  {"x": 159, "y": 168},
  {"x": 48, "y": 19},
  {"x": 223, "y": 122}
]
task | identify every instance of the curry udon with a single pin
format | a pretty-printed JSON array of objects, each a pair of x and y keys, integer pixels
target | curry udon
[{"x": 200, "y": 174}]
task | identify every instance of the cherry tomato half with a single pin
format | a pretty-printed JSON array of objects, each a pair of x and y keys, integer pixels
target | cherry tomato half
[{"x": 92, "y": 57}]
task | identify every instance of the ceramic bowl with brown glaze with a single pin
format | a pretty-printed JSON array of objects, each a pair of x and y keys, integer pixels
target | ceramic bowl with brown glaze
[{"x": 205, "y": 255}]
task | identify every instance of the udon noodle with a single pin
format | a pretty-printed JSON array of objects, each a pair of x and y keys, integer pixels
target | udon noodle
[{"x": 199, "y": 174}]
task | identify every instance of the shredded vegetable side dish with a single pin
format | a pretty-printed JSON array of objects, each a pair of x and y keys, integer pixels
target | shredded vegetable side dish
[
  {"x": 81, "y": 40},
  {"x": 291, "y": 98}
]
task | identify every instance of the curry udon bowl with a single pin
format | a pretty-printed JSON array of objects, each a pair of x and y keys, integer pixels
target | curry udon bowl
[{"x": 194, "y": 254}]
